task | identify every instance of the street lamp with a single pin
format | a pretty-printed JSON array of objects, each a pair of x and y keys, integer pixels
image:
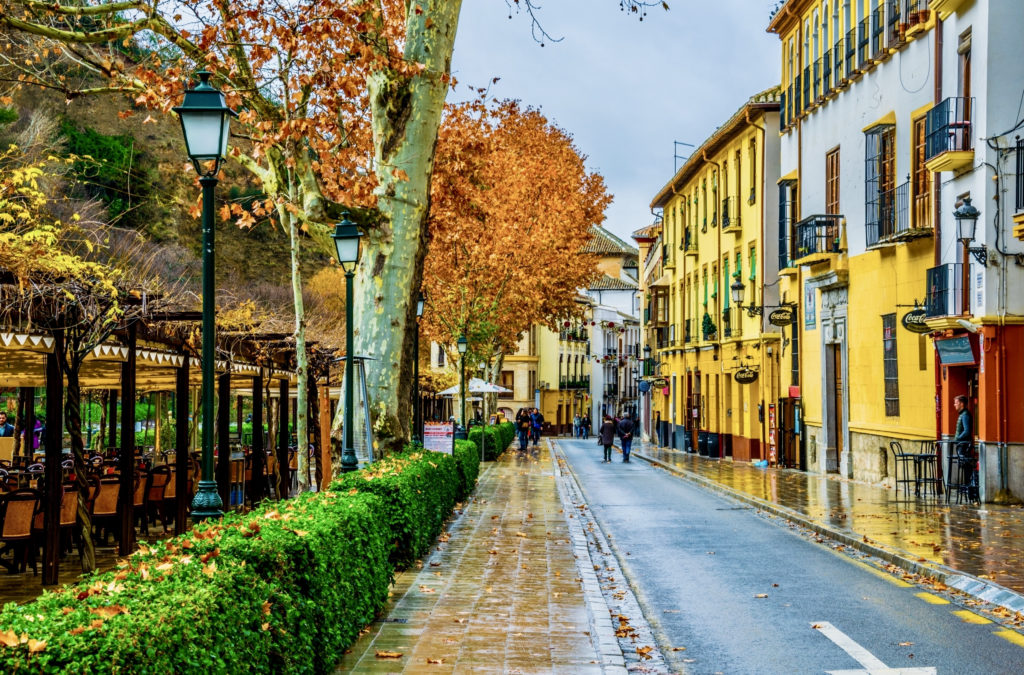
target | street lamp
[
  {"x": 205, "y": 122},
  {"x": 346, "y": 242},
  {"x": 463, "y": 345},
  {"x": 966, "y": 216},
  {"x": 417, "y": 407}
]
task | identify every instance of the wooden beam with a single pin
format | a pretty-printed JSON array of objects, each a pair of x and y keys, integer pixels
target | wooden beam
[
  {"x": 284, "y": 481},
  {"x": 126, "y": 456},
  {"x": 259, "y": 453},
  {"x": 54, "y": 451},
  {"x": 223, "y": 438},
  {"x": 182, "y": 465}
]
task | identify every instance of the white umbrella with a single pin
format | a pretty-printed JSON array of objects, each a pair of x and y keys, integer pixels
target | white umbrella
[{"x": 476, "y": 386}]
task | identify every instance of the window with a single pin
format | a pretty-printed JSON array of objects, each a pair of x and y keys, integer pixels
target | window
[
  {"x": 892, "y": 380},
  {"x": 880, "y": 182},
  {"x": 922, "y": 176},
  {"x": 739, "y": 177},
  {"x": 787, "y": 217},
  {"x": 1020, "y": 175},
  {"x": 832, "y": 182},
  {"x": 753, "y": 170},
  {"x": 794, "y": 353},
  {"x": 704, "y": 198},
  {"x": 440, "y": 356}
]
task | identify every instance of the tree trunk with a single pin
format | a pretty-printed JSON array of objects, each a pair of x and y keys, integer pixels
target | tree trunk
[
  {"x": 73, "y": 423},
  {"x": 406, "y": 117},
  {"x": 301, "y": 356}
]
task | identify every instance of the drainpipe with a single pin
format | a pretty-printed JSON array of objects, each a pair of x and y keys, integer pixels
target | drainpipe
[{"x": 937, "y": 221}]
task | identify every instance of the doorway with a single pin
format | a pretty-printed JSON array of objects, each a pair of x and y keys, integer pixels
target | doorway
[{"x": 834, "y": 402}]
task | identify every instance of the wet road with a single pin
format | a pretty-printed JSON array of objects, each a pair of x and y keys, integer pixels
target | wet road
[{"x": 744, "y": 595}]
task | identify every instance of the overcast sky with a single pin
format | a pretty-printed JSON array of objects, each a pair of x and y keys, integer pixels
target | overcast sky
[{"x": 625, "y": 89}]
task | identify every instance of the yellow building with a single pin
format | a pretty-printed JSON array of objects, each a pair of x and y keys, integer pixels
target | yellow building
[
  {"x": 856, "y": 239},
  {"x": 716, "y": 383}
]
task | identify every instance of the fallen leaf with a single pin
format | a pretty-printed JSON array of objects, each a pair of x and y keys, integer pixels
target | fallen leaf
[
  {"x": 679, "y": 649},
  {"x": 387, "y": 655},
  {"x": 906, "y": 644},
  {"x": 36, "y": 646},
  {"x": 109, "y": 611},
  {"x": 761, "y": 595},
  {"x": 644, "y": 652},
  {"x": 426, "y": 589},
  {"x": 265, "y": 626},
  {"x": 435, "y": 661}
]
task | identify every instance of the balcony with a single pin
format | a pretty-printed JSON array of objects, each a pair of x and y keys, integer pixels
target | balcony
[
  {"x": 689, "y": 243},
  {"x": 687, "y": 336},
  {"x": 731, "y": 215},
  {"x": 949, "y": 137},
  {"x": 878, "y": 51},
  {"x": 826, "y": 73},
  {"x": 888, "y": 218},
  {"x": 782, "y": 110},
  {"x": 943, "y": 296},
  {"x": 917, "y": 17},
  {"x": 839, "y": 73},
  {"x": 818, "y": 91},
  {"x": 730, "y": 328},
  {"x": 818, "y": 239},
  {"x": 864, "y": 44},
  {"x": 611, "y": 390},
  {"x": 896, "y": 25}
]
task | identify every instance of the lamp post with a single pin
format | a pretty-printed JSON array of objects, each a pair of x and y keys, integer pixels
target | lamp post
[
  {"x": 463, "y": 346},
  {"x": 205, "y": 122},
  {"x": 346, "y": 241},
  {"x": 966, "y": 216},
  {"x": 417, "y": 420}
]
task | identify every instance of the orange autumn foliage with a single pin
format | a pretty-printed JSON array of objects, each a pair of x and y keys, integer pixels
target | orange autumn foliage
[{"x": 512, "y": 205}]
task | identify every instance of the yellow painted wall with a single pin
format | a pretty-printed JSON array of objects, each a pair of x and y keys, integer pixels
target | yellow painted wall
[{"x": 889, "y": 277}]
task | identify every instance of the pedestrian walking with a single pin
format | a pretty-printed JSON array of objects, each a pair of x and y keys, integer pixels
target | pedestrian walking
[
  {"x": 585, "y": 426},
  {"x": 625, "y": 429},
  {"x": 964, "y": 439},
  {"x": 537, "y": 420},
  {"x": 577, "y": 422},
  {"x": 523, "y": 427},
  {"x": 606, "y": 437}
]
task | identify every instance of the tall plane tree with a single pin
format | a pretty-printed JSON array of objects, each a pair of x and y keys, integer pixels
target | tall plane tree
[{"x": 342, "y": 101}]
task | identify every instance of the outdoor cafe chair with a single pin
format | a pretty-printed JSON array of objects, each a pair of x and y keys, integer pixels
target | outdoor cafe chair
[
  {"x": 17, "y": 513},
  {"x": 158, "y": 480},
  {"x": 139, "y": 499},
  {"x": 68, "y": 520},
  {"x": 904, "y": 462},
  {"x": 104, "y": 504}
]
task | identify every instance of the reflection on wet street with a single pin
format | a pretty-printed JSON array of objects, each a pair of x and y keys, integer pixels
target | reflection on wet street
[{"x": 986, "y": 541}]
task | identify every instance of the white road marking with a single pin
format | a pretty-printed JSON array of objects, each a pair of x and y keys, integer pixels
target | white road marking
[{"x": 872, "y": 664}]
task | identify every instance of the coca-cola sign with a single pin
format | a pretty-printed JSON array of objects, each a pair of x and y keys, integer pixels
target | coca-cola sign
[
  {"x": 745, "y": 375},
  {"x": 783, "y": 316},
  {"x": 914, "y": 321}
]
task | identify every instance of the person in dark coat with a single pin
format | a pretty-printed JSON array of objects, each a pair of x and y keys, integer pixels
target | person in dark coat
[
  {"x": 523, "y": 428},
  {"x": 6, "y": 428},
  {"x": 607, "y": 437},
  {"x": 625, "y": 428}
]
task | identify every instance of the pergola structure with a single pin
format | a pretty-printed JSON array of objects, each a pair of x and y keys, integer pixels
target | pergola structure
[{"x": 150, "y": 354}]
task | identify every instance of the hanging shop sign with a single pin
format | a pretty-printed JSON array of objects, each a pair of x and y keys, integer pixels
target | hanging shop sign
[
  {"x": 745, "y": 375},
  {"x": 783, "y": 316},
  {"x": 644, "y": 387},
  {"x": 914, "y": 321}
]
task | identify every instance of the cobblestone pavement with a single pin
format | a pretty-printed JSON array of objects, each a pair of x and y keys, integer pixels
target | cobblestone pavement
[
  {"x": 502, "y": 591},
  {"x": 978, "y": 550}
]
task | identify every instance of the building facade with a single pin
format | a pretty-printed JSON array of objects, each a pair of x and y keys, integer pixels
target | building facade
[
  {"x": 895, "y": 113},
  {"x": 714, "y": 368}
]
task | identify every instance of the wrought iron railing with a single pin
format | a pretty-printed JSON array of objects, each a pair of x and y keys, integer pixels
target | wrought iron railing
[
  {"x": 948, "y": 127},
  {"x": 943, "y": 296},
  {"x": 826, "y": 73},
  {"x": 727, "y": 323},
  {"x": 818, "y": 234},
  {"x": 730, "y": 212},
  {"x": 687, "y": 336},
  {"x": 864, "y": 41},
  {"x": 895, "y": 23},
  {"x": 888, "y": 215},
  {"x": 877, "y": 31},
  {"x": 807, "y": 87},
  {"x": 851, "y": 51}
]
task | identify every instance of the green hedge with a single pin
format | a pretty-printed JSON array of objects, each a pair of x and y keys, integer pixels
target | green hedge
[
  {"x": 499, "y": 436},
  {"x": 418, "y": 489},
  {"x": 282, "y": 589}
]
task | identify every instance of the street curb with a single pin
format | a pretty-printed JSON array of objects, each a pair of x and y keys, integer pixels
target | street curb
[
  {"x": 970, "y": 585},
  {"x": 603, "y": 632}
]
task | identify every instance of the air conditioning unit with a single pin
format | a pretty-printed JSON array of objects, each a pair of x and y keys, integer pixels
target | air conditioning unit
[{"x": 542, "y": 385}]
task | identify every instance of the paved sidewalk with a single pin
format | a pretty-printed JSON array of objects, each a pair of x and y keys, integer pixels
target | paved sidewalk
[
  {"x": 978, "y": 550},
  {"x": 500, "y": 593}
]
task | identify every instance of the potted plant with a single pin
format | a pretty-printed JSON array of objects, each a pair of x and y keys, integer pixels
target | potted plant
[{"x": 708, "y": 327}]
